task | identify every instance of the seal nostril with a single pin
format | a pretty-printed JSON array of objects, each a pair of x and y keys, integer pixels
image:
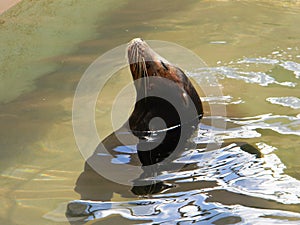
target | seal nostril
[{"x": 136, "y": 40}]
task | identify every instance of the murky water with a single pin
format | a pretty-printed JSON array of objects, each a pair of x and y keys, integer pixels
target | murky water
[{"x": 252, "y": 47}]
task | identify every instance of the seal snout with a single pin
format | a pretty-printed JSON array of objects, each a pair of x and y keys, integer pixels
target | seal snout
[
  {"x": 138, "y": 51},
  {"x": 136, "y": 41}
]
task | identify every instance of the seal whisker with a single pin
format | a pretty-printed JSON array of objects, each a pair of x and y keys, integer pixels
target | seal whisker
[
  {"x": 137, "y": 61},
  {"x": 134, "y": 55},
  {"x": 146, "y": 76}
]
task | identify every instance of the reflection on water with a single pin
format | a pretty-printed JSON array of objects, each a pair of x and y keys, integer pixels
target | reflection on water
[
  {"x": 292, "y": 102},
  {"x": 251, "y": 46},
  {"x": 220, "y": 174}
]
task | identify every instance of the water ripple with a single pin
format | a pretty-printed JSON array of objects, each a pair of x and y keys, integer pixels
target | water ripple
[
  {"x": 281, "y": 124},
  {"x": 223, "y": 100},
  {"x": 239, "y": 69},
  {"x": 232, "y": 170},
  {"x": 292, "y": 102},
  {"x": 252, "y": 77},
  {"x": 292, "y": 66},
  {"x": 189, "y": 207}
]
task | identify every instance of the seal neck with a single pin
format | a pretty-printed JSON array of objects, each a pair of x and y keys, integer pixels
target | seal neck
[{"x": 146, "y": 133}]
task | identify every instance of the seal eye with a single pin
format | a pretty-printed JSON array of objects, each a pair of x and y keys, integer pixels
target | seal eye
[{"x": 164, "y": 65}]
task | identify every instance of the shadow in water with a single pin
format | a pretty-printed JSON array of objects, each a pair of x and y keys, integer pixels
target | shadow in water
[{"x": 122, "y": 148}]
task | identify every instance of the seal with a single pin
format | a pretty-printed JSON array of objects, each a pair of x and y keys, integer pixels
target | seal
[
  {"x": 155, "y": 78},
  {"x": 165, "y": 92},
  {"x": 165, "y": 115}
]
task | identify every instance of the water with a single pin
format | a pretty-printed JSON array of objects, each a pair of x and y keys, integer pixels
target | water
[{"x": 251, "y": 46}]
